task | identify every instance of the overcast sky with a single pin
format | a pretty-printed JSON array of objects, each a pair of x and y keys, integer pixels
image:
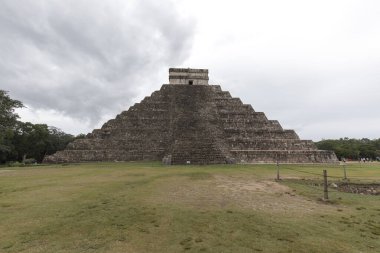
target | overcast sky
[{"x": 312, "y": 65}]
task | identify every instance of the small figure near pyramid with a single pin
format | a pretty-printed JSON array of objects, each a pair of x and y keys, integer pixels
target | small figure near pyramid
[{"x": 190, "y": 121}]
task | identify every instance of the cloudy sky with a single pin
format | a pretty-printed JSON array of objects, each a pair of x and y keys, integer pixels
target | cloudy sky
[{"x": 312, "y": 65}]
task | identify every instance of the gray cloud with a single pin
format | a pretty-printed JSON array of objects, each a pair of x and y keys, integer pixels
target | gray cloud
[
  {"x": 312, "y": 65},
  {"x": 314, "y": 102},
  {"x": 87, "y": 59}
]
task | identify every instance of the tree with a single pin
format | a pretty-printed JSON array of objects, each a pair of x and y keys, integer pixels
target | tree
[
  {"x": 58, "y": 140},
  {"x": 37, "y": 140},
  {"x": 21, "y": 140},
  {"x": 30, "y": 140},
  {"x": 352, "y": 148},
  {"x": 8, "y": 117},
  {"x": 8, "y": 121}
]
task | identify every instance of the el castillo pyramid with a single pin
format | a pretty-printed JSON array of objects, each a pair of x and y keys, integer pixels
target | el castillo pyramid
[{"x": 190, "y": 121}]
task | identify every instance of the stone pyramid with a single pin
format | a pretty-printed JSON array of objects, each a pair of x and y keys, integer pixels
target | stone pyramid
[{"x": 190, "y": 121}]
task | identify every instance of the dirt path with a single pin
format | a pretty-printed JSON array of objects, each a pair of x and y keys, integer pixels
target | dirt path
[{"x": 223, "y": 191}]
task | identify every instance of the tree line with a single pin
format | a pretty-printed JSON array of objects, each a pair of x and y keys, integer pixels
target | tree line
[
  {"x": 24, "y": 141},
  {"x": 352, "y": 149}
]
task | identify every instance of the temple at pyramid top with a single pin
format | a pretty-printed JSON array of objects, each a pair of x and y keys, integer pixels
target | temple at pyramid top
[{"x": 187, "y": 76}]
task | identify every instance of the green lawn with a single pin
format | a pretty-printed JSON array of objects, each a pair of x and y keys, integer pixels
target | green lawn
[{"x": 147, "y": 207}]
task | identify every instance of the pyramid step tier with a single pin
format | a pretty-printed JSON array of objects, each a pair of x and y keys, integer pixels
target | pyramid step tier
[
  {"x": 267, "y": 144},
  {"x": 284, "y": 156}
]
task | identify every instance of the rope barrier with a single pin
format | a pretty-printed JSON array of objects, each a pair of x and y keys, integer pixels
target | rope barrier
[
  {"x": 318, "y": 188},
  {"x": 307, "y": 172},
  {"x": 317, "y": 174}
]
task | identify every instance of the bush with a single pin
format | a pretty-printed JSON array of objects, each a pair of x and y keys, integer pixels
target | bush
[
  {"x": 15, "y": 164},
  {"x": 30, "y": 161}
]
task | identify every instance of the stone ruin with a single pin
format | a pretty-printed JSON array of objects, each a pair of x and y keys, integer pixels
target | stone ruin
[{"x": 189, "y": 121}]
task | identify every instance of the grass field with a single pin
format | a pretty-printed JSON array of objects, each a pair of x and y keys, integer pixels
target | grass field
[{"x": 146, "y": 207}]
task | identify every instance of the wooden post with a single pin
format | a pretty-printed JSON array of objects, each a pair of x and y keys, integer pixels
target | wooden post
[
  {"x": 344, "y": 170},
  {"x": 325, "y": 188},
  {"x": 278, "y": 171}
]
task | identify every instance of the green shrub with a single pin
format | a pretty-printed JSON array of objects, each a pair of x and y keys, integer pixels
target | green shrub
[
  {"x": 15, "y": 164},
  {"x": 30, "y": 161}
]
